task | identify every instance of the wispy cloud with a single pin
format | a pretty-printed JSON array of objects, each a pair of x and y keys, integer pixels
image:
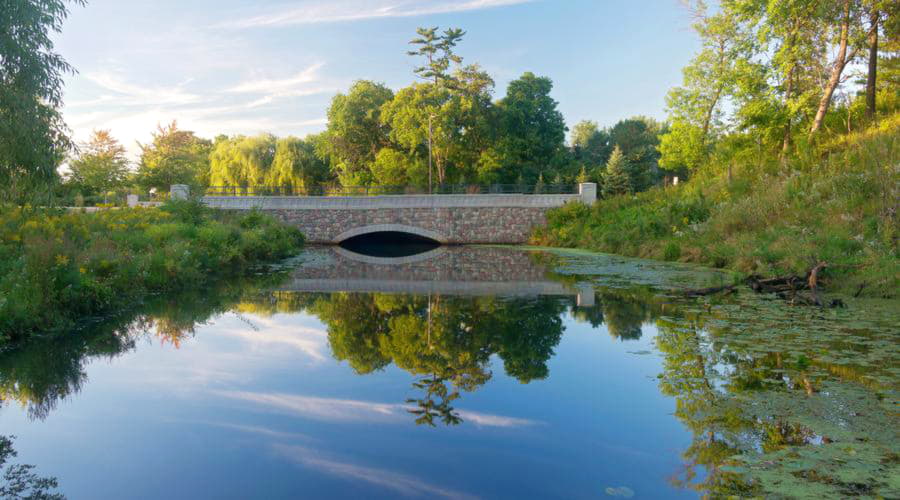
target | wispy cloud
[
  {"x": 127, "y": 93},
  {"x": 353, "y": 410},
  {"x": 304, "y": 83},
  {"x": 331, "y": 11},
  {"x": 291, "y": 83},
  {"x": 400, "y": 483},
  {"x": 272, "y": 335}
]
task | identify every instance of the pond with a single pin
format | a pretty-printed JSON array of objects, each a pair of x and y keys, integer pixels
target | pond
[{"x": 462, "y": 372}]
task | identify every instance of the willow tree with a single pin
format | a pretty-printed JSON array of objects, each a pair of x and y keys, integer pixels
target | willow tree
[
  {"x": 33, "y": 136},
  {"x": 242, "y": 161},
  {"x": 296, "y": 165}
]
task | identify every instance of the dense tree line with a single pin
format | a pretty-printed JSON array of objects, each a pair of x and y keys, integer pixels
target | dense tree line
[
  {"x": 444, "y": 129},
  {"x": 769, "y": 77}
]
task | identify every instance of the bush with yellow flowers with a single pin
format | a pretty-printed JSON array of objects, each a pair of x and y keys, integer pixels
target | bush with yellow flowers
[{"x": 58, "y": 267}]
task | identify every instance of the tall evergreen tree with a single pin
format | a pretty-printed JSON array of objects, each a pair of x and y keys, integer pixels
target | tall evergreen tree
[{"x": 616, "y": 180}]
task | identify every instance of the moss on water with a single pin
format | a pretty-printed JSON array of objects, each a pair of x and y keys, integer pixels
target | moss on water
[{"x": 782, "y": 401}]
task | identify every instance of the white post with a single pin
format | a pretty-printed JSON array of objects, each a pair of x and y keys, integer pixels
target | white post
[
  {"x": 132, "y": 200},
  {"x": 588, "y": 192},
  {"x": 585, "y": 296},
  {"x": 179, "y": 192}
]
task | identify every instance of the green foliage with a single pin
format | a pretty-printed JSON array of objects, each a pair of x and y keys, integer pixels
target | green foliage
[
  {"x": 834, "y": 204},
  {"x": 174, "y": 157},
  {"x": 20, "y": 481},
  {"x": 437, "y": 51},
  {"x": 33, "y": 137},
  {"x": 60, "y": 267},
  {"x": 356, "y": 131},
  {"x": 101, "y": 165},
  {"x": 296, "y": 165},
  {"x": 531, "y": 130},
  {"x": 616, "y": 179}
]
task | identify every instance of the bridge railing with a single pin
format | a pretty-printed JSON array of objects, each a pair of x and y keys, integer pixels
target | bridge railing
[{"x": 390, "y": 190}]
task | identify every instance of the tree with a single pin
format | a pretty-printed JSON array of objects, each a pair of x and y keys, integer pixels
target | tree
[
  {"x": 101, "y": 164},
  {"x": 456, "y": 122},
  {"x": 531, "y": 130},
  {"x": 590, "y": 146},
  {"x": 847, "y": 51},
  {"x": 174, "y": 157},
  {"x": 438, "y": 52},
  {"x": 638, "y": 139},
  {"x": 395, "y": 168},
  {"x": 695, "y": 107},
  {"x": 296, "y": 165},
  {"x": 616, "y": 180},
  {"x": 33, "y": 137},
  {"x": 356, "y": 131},
  {"x": 243, "y": 161}
]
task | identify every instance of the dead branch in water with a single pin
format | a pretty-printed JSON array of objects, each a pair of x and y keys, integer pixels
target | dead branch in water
[{"x": 699, "y": 292}]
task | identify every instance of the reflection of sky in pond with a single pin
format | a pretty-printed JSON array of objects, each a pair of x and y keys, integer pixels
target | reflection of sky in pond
[{"x": 255, "y": 406}]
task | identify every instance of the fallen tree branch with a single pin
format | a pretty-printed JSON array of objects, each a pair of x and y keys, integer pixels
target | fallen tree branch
[{"x": 699, "y": 292}]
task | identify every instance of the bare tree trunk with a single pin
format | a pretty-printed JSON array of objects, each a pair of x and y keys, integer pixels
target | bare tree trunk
[
  {"x": 788, "y": 91},
  {"x": 839, "y": 63},
  {"x": 715, "y": 99},
  {"x": 873, "y": 64}
]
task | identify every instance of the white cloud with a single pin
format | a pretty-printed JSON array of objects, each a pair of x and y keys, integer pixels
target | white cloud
[
  {"x": 401, "y": 483},
  {"x": 132, "y": 94},
  {"x": 330, "y": 11},
  {"x": 353, "y": 410},
  {"x": 308, "y": 75},
  {"x": 273, "y": 336}
]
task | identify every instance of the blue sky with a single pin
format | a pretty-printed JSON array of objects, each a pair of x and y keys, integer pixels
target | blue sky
[{"x": 226, "y": 66}]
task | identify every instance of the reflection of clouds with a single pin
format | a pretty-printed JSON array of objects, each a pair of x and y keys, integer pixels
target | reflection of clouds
[
  {"x": 263, "y": 431},
  {"x": 352, "y": 410},
  {"x": 488, "y": 420},
  {"x": 270, "y": 331},
  {"x": 400, "y": 483}
]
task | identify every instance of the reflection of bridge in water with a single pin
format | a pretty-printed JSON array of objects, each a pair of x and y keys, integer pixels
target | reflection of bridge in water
[{"x": 474, "y": 271}]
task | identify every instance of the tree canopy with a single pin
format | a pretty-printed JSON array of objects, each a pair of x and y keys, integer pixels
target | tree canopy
[{"x": 33, "y": 137}]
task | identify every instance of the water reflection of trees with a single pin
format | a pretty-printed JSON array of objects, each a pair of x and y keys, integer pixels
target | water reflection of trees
[
  {"x": 447, "y": 342},
  {"x": 761, "y": 421},
  {"x": 21, "y": 480},
  {"x": 39, "y": 374}
]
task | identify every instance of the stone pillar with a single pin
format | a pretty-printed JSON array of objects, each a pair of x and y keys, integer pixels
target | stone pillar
[
  {"x": 585, "y": 296},
  {"x": 588, "y": 192},
  {"x": 179, "y": 192},
  {"x": 132, "y": 200}
]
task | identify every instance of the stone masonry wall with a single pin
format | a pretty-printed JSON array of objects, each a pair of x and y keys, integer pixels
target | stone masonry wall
[
  {"x": 482, "y": 218},
  {"x": 454, "y": 225}
]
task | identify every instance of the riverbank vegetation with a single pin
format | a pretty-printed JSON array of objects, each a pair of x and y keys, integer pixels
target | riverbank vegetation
[
  {"x": 57, "y": 267},
  {"x": 836, "y": 205},
  {"x": 791, "y": 163}
]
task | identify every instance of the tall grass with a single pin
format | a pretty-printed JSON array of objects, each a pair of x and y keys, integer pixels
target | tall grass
[
  {"x": 57, "y": 267},
  {"x": 836, "y": 202}
]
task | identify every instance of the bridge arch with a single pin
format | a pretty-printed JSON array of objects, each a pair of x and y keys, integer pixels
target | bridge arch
[{"x": 395, "y": 228}]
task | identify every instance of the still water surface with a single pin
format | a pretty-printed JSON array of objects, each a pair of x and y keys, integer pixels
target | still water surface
[{"x": 473, "y": 372}]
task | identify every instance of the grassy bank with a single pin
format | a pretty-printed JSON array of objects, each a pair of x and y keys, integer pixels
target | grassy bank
[
  {"x": 836, "y": 202},
  {"x": 58, "y": 267}
]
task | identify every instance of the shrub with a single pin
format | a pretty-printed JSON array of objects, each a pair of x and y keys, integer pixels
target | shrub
[{"x": 57, "y": 267}]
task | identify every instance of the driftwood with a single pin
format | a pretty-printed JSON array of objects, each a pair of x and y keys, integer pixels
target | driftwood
[
  {"x": 813, "y": 282},
  {"x": 789, "y": 287},
  {"x": 699, "y": 292}
]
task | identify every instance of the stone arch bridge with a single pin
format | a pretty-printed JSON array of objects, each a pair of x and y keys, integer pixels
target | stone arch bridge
[{"x": 445, "y": 218}]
